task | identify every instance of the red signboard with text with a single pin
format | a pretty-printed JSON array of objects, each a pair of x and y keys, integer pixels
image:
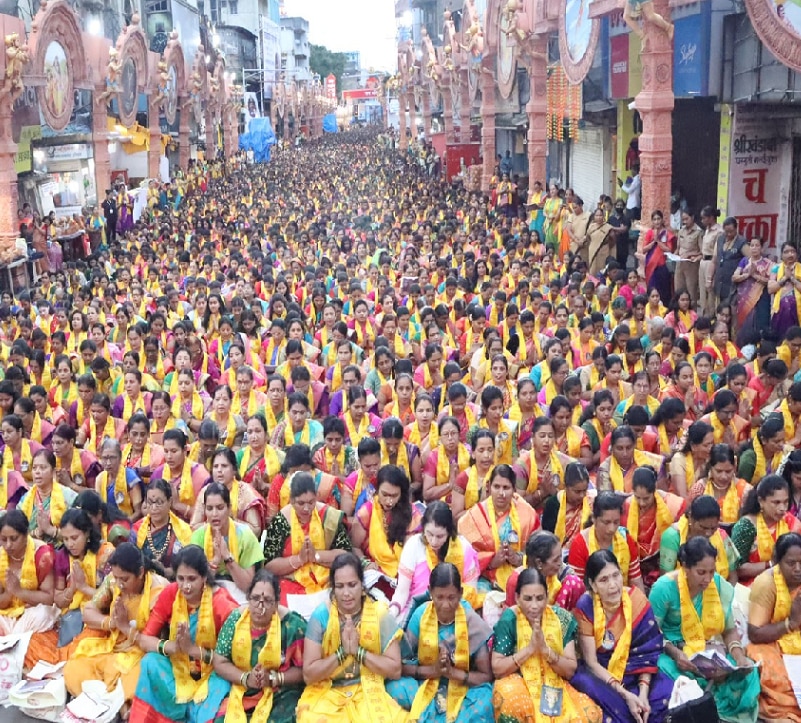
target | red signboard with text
[
  {"x": 620, "y": 66},
  {"x": 331, "y": 86}
]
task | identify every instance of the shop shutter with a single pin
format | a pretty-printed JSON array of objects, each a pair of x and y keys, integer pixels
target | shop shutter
[{"x": 587, "y": 166}]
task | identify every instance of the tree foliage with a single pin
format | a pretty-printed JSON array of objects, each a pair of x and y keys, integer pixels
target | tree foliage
[{"x": 324, "y": 62}]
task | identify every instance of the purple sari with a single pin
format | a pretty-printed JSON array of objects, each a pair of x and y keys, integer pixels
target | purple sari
[{"x": 646, "y": 646}]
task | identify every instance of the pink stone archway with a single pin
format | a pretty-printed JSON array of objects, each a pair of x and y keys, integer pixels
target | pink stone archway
[
  {"x": 56, "y": 23},
  {"x": 132, "y": 47},
  {"x": 487, "y": 85},
  {"x": 173, "y": 104}
]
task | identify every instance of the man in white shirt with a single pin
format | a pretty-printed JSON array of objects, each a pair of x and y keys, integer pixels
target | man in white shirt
[{"x": 633, "y": 189}]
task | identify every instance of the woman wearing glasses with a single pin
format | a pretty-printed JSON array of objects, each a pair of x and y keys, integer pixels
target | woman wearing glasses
[{"x": 258, "y": 663}]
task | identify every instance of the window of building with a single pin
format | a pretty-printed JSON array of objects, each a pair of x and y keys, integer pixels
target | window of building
[
  {"x": 233, "y": 6},
  {"x": 157, "y": 6}
]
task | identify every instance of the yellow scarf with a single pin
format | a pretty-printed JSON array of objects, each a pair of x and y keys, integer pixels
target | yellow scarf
[
  {"x": 330, "y": 459},
  {"x": 455, "y": 556},
  {"x": 401, "y": 461},
  {"x": 272, "y": 464},
  {"x": 196, "y": 408},
  {"x": 554, "y": 466},
  {"x": 444, "y": 463},
  {"x": 124, "y": 660},
  {"x": 97, "y": 438},
  {"x": 386, "y": 557},
  {"x": 336, "y": 384},
  {"x": 777, "y": 297},
  {"x": 416, "y": 438},
  {"x": 357, "y": 435},
  {"x": 620, "y": 655},
  {"x": 729, "y": 506},
  {"x": 144, "y": 461},
  {"x": 28, "y": 578},
  {"x": 230, "y": 428},
  {"x": 620, "y": 548},
  {"x": 370, "y": 639},
  {"x": 789, "y": 422},
  {"x": 269, "y": 659},
  {"x": 616, "y": 476},
  {"x": 25, "y": 458},
  {"x": 58, "y": 505},
  {"x": 504, "y": 572},
  {"x": 305, "y": 434},
  {"x": 186, "y": 490},
  {"x": 188, "y": 689},
  {"x": 790, "y": 643},
  {"x": 180, "y": 529},
  {"x": 89, "y": 566},
  {"x": 761, "y": 468},
  {"x": 252, "y": 405},
  {"x": 36, "y": 428},
  {"x": 718, "y": 427},
  {"x": 129, "y": 408},
  {"x": 721, "y": 559},
  {"x": 664, "y": 517},
  {"x": 537, "y": 672},
  {"x": 272, "y": 420},
  {"x": 121, "y": 494},
  {"x": 76, "y": 464},
  {"x": 472, "y": 492},
  {"x": 765, "y": 541},
  {"x": 311, "y": 576},
  {"x": 428, "y": 654},
  {"x": 694, "y": 630},
  {"x": 560, "y": 530},
  {"x": 230, "y": 536}
]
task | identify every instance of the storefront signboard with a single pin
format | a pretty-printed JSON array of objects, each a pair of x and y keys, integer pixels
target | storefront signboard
[{"x": 691, "y": 56}]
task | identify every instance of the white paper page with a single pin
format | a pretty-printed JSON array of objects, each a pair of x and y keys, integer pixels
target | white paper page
[{"x": 793, "y": 665}]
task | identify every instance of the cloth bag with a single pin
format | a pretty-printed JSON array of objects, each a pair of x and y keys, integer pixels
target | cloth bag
[
  {"x": 689, "y": 704},
  {"x": 44, "y": 703}
]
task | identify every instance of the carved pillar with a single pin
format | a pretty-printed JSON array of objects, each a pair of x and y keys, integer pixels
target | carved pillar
[
  {"x": 447, "y": 113},
  {"x": 8, "y": 177},
  {"x": 465, "y": 106},
  {"x": 427, "y": 113},
  {"x": 537, "y": 110},
  {"x": 413, "y": 113},
  {"x": 487, "y": 127},
  {"x": 154, "y": 152},
  {"x": 211, "y": 131},
  {"x": 183, "y": 139},
  {"x": 655, "y": 104},
  {"x": 403, "y": 143},
  {"x": 100, "y": 143}
]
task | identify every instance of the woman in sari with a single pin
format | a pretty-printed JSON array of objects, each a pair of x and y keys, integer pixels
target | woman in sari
[
  {"x": 18, "y": 451},
  {"x": 444, "y": 463},
  {"x": 774, "y": 621},
  {"x": 246, "y": 504},
  {"x": 728, "y": 426},
  {"x": 184, "y": 476},
  {"x": 569, "y": 438},
  {"x": 492, "y": 411},
  {"x": 606, "y": 533},
  {"x": 597, "y": 422},
  {"x": 534, "y": 657},
  {"x": 396, "y": 451},
  {"x": 163, "y": 418},
  {"x": 75, "y": 468},
  {"x": 231, "y": 548},
  {"x": 161, "y": 534},
  {"x": 764, "y": 454},
  {"x": 121, "y": 607},
  {"x": 620, "y": 646},
  {"x": 565, "y": 513},
  {"x": 764, "y": 518},
  {"x": 423, "y": 431},
  {"x": 297, "y": 427},
  {"x": 461, "y": 678},
  {"x": 600, "y": 242},
  {"x": 653, "y": 246},
  {"x": 140, "y": 454},
  {"x": 784, "y": 286},
  {"x": 524, "y": 411},
  {"x": 753, "y": 300},
  {"x": 646, "y": 515},
  {"x": 616, "y": 472},
  {"x": 46, "y": 502},
  {"x": 721, "y": 483},
  {"x": 231, "y": 426},
  {"x": 499, "y": 527},
  {"x": 552, "y": 211},
  {"x": 174, "y": 673},
  {"x": 438, "y": 542},
  {"x": 384, "y": 524},
  {"x": 258, "y": 662},
  {"x": 257, "y": 462},
  {"x": 693, "y": 608},
  {"x": 352, "y": 647},
  {"x": 541, "y": 472},
  {"x": 303, "y": 540},
  {"x": 28, "y": 583}
]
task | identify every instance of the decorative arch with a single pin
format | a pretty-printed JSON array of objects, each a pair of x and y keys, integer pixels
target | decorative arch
[
  {"x": 197, "y": 84},
  {"x": 132, "y": 53},
  {"x": 175, "y": 90},
  {"x": 217, "y": 89},
  {"x": 280, "y": 98},
  {"x": 58, "y": 61},
  {"x": 575, "y": 50}
]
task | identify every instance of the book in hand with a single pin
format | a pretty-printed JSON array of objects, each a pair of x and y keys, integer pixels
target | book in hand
[{"x": 711, "y": 662}]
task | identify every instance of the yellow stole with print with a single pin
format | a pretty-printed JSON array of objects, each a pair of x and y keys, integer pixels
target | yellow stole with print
[
  {"x": 186, "y": 490},
  {"x": 230, "y": 427},
  {"x": 620, "y": 548},
  {"x": 181, "y": 530},
  {"x": 269, "y": 659},
  {"x": 536, "y": 671},
  {"x": 444, "y": 463},
  {"x": 554, "y": 466},
  {"x": 195, "y": 408},
  {"x": 230, "y": 535},
  {"x": 129, "y": 408},
  {"x": 28, "y": 578},
  {"x": 765, "y": 540},
  {"x": 25, "y": 457},
  {"x": 761, "y": 468},
  {"x": 664, "y": 517},
  {"x": 187, "y": 689},
  {"x": 790, "y": 642},
  {"x": 472, "y": 491},
  {"x": 305, "y": 434},
  {"x": 428, "y": 654},
  {"x": 778, "y": 297},
  {"x": 620, "y": 655},
  {"x": 721, "y": 559},
  {"x": 560, "y": 530},
  {"x": 401, "y": 461},
  {"x": 616, "y": 476},
  {"x": 311, "y": 576},
  {"x": 89, "y": 566},
  {"x": 729, "y": 505},
  {"x": 694, "y": 630},
  {"x": 415, "y": 437},
  {"x": 387, "y": 557}
]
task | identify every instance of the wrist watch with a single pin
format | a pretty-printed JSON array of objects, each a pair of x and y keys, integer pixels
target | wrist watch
[{"x": 228, "y": 560}]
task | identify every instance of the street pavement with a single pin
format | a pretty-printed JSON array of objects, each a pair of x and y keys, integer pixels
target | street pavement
[{"x": 12, "y": 715}]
